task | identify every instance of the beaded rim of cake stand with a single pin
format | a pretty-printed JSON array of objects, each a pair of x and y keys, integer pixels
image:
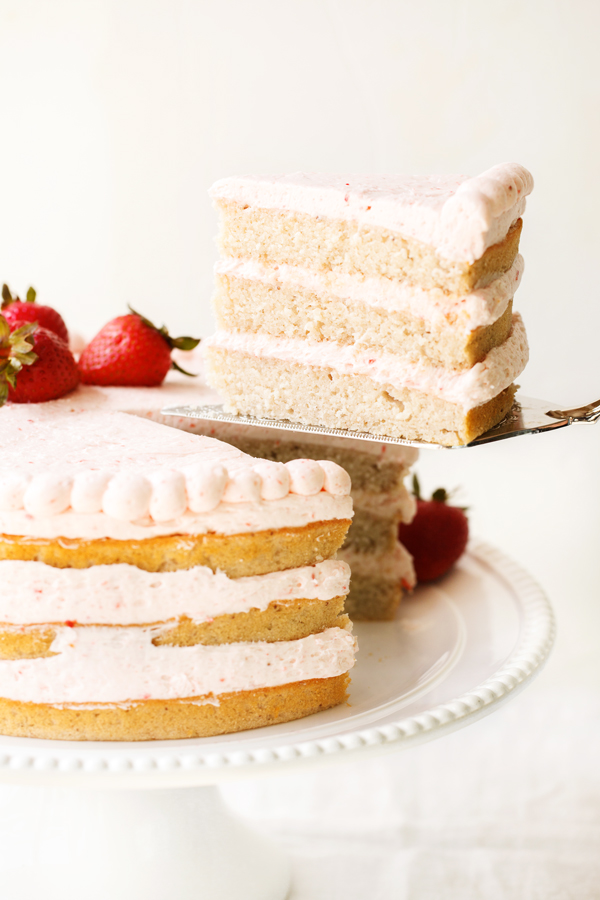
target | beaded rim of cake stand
[{"x": 524, "y": 662}]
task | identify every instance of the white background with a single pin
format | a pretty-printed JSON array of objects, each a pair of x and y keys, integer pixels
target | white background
[{"x": 116, "y": 118}]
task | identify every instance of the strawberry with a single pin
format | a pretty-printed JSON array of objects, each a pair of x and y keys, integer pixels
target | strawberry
[
  {"x": 17, "y": 313},
  {"x": 131, "y": 351},
  {"x": 51, "y": 368},
  {"x": 437, "y": 536}
]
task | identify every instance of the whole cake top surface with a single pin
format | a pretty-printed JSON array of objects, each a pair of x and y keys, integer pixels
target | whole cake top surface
[
  {"x": 58, "y": 437},
  {"x": 79, "y": 467},
  {"x": 460, "y": 215}
]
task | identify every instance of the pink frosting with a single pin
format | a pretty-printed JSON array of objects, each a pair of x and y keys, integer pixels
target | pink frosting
[
  {"x": 87, "y": 473},
  {"x": 459, "y": 215},
  {"x": 468, "y": 388},
  {"x": 34, "y": 593},
  {"x": 467, "y": 312},
  {"x": 276, "y": 480},
  {"x": 306, "y": 476},
  {"x": 98, "y": 664}
]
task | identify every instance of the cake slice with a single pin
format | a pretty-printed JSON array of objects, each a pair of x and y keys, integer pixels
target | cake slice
[
  {"x": 372, "y": 303},
  {"x": 156, "y": 585}
]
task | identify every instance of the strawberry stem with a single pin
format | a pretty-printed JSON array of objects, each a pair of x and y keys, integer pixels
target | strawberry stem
[
  {"x": 16, "y": 351},
  {"x": 179, "y": 343},
  {"x": 178, "y": 368},
  {"x": 7, "y": 297},
  {"x": 416, "y": 486}
]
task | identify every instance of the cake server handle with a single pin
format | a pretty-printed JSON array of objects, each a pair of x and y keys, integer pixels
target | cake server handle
[{"x": 588, "y": 413}]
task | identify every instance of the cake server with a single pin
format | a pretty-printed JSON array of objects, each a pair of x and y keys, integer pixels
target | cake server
[{"x": 527, "y": 416}]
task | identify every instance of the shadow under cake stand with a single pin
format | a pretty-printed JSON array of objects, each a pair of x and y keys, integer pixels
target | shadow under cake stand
[{"x": 109, "y": 820}]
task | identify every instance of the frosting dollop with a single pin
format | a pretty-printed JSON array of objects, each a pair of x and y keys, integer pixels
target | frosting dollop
[
  {"x": 306, "y": 476},
  {"x": 127, "y": 497},
  {"x": 47, "y": 494}
]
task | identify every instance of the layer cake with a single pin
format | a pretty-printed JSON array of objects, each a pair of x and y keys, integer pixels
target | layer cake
[
  {"x": 157, "y": 585},
  {"x": 373, "y": 303}
]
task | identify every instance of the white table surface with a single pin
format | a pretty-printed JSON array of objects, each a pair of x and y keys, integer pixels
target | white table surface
[{"x": 509, "y": 807}]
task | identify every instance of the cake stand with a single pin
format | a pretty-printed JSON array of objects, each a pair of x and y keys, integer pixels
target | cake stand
[{"x": 111, "y": 820}]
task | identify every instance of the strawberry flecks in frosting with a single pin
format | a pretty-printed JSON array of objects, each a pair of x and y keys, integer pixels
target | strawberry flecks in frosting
[
  {"x": 460, "y": 216},
  {"x": 275, "y": 478},
  {"x": 468, "y": 388},
  {"x": 47, "y": 494},
  {"x": 205, "y": 486},
  {"x": 104, "y": 664},
  {"x": 337, "y": 480},
  {"x": 306, "y": 476},
  {"x": 467, "y": 312},
  {"x": 33, "y": 593},
  {"x": 87, "y": 492},
  {"x": 12, "y": 490},
  {"x": 242, "y": 486},
  {"x": 127, "y": 497},
  {"x": 168, "y": 500}
]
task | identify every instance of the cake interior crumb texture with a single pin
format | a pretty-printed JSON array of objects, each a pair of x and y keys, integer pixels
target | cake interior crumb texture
[
  {"x": 277, "y": 389},
  {"x": 291, "y": 311},
  {"x": 296, "y": 239},
  {"x": 239, "y": 555}
]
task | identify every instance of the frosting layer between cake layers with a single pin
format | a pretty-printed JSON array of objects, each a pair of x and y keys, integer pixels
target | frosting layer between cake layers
[
  {"x": 461, "y": 216},
  {"x": 103, "y": 664},
  {"x": 468, "y": 388},
  {"x": 33, "y": 593},
  {"x": 467, "y": 311}
]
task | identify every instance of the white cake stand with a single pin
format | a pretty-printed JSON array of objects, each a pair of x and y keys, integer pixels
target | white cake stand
[{"x": 75, "y": 826}]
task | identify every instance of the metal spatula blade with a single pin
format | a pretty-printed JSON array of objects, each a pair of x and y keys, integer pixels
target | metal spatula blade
[{"x": 527, "y": 416}]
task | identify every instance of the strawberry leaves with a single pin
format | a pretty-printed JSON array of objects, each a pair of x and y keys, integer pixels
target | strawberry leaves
[
  {"x": 7, "y": 297},
  {"x": 16, "y": 351},
  {"x": 180, "y": 343}
]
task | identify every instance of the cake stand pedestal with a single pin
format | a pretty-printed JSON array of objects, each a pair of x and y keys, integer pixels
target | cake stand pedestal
[
  {"x": 62, "y": 843},
  {"x": 145, "y": 821}
]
